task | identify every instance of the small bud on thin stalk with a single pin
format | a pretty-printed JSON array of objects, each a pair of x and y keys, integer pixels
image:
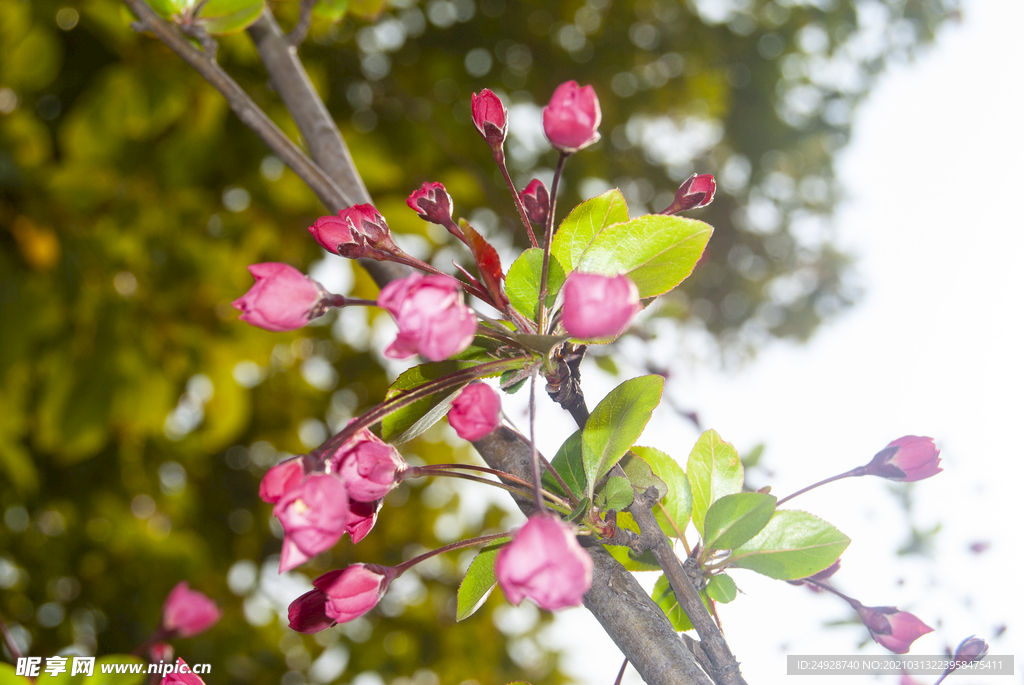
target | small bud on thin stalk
[{"x": 695, "y": 192}]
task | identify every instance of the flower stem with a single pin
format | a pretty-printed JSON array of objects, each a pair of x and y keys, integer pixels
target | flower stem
[
  {"x": 548, "y": 237},
  {"x": 859, "y": 471},
  {"x": 825, "y": 586},
  {"x": 461, "y": 544},
  {"x": 534, "y": 456},
  {"x": 12, "y": 646},
  {"x": 333, "y": 300},
  {"x": 499, "y": 159},
  {"x": 448, "y": 470}
]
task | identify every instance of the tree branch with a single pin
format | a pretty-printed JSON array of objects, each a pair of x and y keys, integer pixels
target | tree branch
[
  {"x": 633, "y": 621},
  {"x": 289, "y": 79}
]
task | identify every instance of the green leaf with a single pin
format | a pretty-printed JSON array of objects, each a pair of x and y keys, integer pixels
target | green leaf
[
  {"x": 568, "y": 462},
  {"x": 656, "y": 251},
  {"x": 640, "y": 475},
  {"x": 714, "y": 471},
  {"x": 476, "y": 587},
  {"x": 522, "y": 284},
  {"x": 542, "y": 344},
  {"x": 734, "y": 519},
  {"x": 8, "y": 677},
  {"x": 666, "y": 599},
  {"x": 508, "y": 382},
  {"x": 616, "y": 423},
  {"x": 677, "y": 502},
  {"x": 576, "y": 515},
  {"x": 331, "y": 10},
  {"x": 166, "y": 9},
  {"x": 221, "y": 17},
  {"x": 721, "y": 588},
  {"x": 616, "y": 494},
  {"x": 793, "y": 545},
  {"x": 584, "y": 223},
  {"x": 411, "y": 421}
]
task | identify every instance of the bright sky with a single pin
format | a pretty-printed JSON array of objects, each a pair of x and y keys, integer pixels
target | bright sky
[{"x": 932, "y": 349}]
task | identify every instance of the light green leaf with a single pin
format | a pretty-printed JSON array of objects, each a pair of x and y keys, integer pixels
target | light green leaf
[
  {"x": 542, "y": 344},
  {"x": 617, "y": 494},
  {"x": 332, "y": 10},
  {"x": 616, "y": 423},
  {"x": 721, "y": 588},
  {"x": 522, "y": 284},
  {"x": 656, "y": 251},
  {"x": 8, "y": 677},
  {"x": 480, "y": 580},
  {"x": 734, "y": 519},
  {"x": 641, "y": 476},
  {"x": 166, "y": 9},
  {"x": 624, "y": 555},
  {"x": 584, "y": 223},
  {"x": 714, "y": 471},
  {"x": 666, "y": 599},
  {"x": 221, "y": 17},
  {"x": 677, "y": 502},
  {"x": 568, "y": 462},
  {"x": 793, "y": 545},
  {"x": 412, "y": 420}
]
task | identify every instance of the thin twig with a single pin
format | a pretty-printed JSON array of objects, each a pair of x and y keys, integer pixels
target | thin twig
[
  {"x": 301, "y": 28},
  {"x": 622, "y": 672},
  {"x": 534, "y": 457},
  {"x": 12, "y": 646},
  {"x": 549, "y": 234},
  {"x": 247, "y": 110}
]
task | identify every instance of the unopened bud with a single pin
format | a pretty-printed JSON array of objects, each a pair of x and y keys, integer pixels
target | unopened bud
[
  {"x": 490, "y": 118},
  {"x": 433, "y": 203},
  {"x": 537, "y": 202},
  {"x": 695, "y": 192}
]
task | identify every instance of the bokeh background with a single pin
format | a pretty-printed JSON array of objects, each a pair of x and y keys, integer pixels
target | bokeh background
[{"x": 137, "y": 414}]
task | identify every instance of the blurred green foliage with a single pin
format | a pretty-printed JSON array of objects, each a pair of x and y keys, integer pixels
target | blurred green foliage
[{"x": 137, "y": 415}]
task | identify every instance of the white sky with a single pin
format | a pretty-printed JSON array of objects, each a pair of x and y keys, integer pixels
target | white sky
[{"x": 933, "y": 348}]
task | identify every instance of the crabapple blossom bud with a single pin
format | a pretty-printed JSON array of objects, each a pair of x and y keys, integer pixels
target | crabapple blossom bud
[
  {"x": 537, "y": 202},
  {"x": 367, "y": 465},
  {"x": 188, "y": 612},
  {"x": 282, "y": 299},
  {"x": 308, "y": 613},
  {"x": 598, "y": 306},
  {"x": 161, "y": 651},
  {"x": 906, "y": 459},
  {"x": 696, "y": 191},
  {"x": 314, "y": 516},
  {"x": 432, "y": 319},
  {"x": 281, "y": 478},
  {"x": 433, "y": 203},
  {"x": 970, "y": 650},
  {"x": 361, "y": 517},
  {"x": 545, "y": 563},
  {"x": 572, "y": 117},
  {"x": 357, "y": 231},
  {"x": 183, "y": 675},
  {"x": 476, "y": 412},
  {"x": 353, "y": 591},
  {"x": 893, "y": 629},
  {"x": 490, "y": 118}
]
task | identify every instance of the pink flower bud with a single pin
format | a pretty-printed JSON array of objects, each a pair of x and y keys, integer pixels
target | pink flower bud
[
  {"x": 598, "y": 306},
  {"x": 432, "y": 319},
  {"x": 906, "y": 459},
  {"x": 161, "y": 651},
  {"x": 476, "y": 412},
  {"x": 367, "y": 465},
  {"x": 970, "y": 650},
  {"x": 353, "y": 591},
  {"x": 696, "y": 191},
  {"x": 282, "y": 299},
  {"x": 280, "y": 479},
  {"x": 537, "y": 202},
  {"x": 572, "y": 117},
  {"x": 188, "y": 612},
  {"x": 183, "y": 675},
  {"x": 433, "y": 203},
  {"x": 314, "y": 516},
  {"x": 357, "y": 231},
  {"x": 545, "y": 563},
  {"x": 893, "y": 629},
  {"x": 308, "y": 613},
  {"x": 489, "y": 117},
  {"x": 361, "y": 517}
]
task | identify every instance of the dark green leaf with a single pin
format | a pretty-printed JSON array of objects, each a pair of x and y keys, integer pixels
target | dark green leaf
[
  {"x": 714, "y": 471},
  {"x": 508, "y": 382},
  {"x": 734, "y": 519},
  {"x": 616, "y": 494},
  {"x": 677, "y": 502},
  {"x": 616, "y": 423},
  {"x": 411, "y": 421},
  {"x": 656, "y": 251},
  {"x": 522, "y": 285},
  {"x": 568, "y": 462},
  {"x": 793, "y": 545},
  {"x": 584, "y": 223},
  {"x": 476, "y": 587},
  {"x": 721, "y": 588},
  {"x": 582, "y": 508}
]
